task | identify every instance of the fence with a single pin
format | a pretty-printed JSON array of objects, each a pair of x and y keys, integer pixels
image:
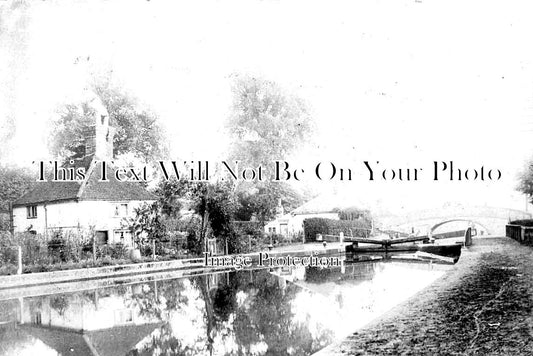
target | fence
[{"x": 522, "y": 234}]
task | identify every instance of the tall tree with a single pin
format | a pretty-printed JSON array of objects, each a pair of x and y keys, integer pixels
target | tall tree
[
  {"x": 525, "y": 180},
  {"x": 138, "y": 130},
  {"x": 267, "y": 123}
]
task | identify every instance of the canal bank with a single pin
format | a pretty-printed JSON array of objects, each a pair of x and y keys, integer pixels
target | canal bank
[
  {"x": 482, "y": 306},
  {"x": 195, "y": 264}
]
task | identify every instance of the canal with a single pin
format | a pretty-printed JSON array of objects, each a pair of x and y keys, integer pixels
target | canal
[{"x": 282, "y": 311}]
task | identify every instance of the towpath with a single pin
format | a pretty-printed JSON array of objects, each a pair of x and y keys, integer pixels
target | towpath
[{"x": 482, "y": 306}]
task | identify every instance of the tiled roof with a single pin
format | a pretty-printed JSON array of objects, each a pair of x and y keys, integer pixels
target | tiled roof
[
  {"x": 93, "y": 189},
  {"x": 89, "y": 189},
  {"x": 329, "y": 203},
  {"x": 117, "y": 340},
  {"x": 48, "y": 192},
  {"x": 64, "y": 342}
]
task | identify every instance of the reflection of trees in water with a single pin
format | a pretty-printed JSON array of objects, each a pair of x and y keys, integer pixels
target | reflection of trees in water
[
  {"x": 8, "y": 310},
  {"x": 353, "y": 271},
  {"x": 155, "y": 300},
  {"x": 165, "y": 344},
  {"x": 59, "y": 303},
  {"x": 243, "y": 310},
  {"x": 11, "y": 338},
  {"x": 147, "y": 304}
]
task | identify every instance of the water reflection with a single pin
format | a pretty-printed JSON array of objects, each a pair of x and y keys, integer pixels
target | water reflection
[{"x": 292, "y": 311}]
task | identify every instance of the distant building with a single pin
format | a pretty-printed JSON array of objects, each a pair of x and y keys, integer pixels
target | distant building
[
  {"x": 323, "y": 206},
  {"x": 104, "y": 206}
]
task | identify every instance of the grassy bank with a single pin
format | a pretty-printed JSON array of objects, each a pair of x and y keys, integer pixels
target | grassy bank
[{"x": 483, "y": 306}]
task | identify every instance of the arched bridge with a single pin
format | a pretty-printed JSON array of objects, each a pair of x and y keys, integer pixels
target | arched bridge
[{"x": 490, "y": 219}]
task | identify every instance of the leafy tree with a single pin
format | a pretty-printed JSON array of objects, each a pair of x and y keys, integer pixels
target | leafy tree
[
  {"x": 215, "y": 204},
  {"x": 137, "y": 128},
  {"x": 169, "y": 192},
  {"x": 267, "y": 123},
  {"x": 525, "y": 181},
  {"x": 14, "y": 182},
  {"x": 212, "y": 202},
  {"x": 261, "y": 200}
]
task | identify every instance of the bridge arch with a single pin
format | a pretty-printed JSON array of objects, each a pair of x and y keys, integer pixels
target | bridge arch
[{"x": 473, "y": 220}]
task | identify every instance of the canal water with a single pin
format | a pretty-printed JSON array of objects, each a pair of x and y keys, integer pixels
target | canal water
[{"x": 283, "y": 311}]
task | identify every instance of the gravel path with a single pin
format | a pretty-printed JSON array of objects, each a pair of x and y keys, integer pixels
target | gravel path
[{"x": 482, "y": 306}]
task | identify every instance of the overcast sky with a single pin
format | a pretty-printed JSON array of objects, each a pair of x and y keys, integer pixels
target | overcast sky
[{"x": 402, "y": 82}]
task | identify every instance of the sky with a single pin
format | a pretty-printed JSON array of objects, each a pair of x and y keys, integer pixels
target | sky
[{"x": 405, "y": 83}]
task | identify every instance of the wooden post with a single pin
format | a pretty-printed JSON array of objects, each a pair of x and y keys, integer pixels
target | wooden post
[
  {"x": 153, "y": 249},
  {"x": 468, "y": 237},
  {"x": 45, "y": 221},
  {"x": 12, "y": 231},
  {"x": 205, "y": 220},
  {"x": 11, "y": 219},
  {"x": 94, "y": 247},
  {"x": 19, "y": 271}
]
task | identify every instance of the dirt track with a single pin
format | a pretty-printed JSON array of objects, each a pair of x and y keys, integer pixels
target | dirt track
[{"x": 483, "y": 306}]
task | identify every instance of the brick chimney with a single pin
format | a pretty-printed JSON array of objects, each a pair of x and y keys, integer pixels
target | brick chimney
[{"x": 99, "y": 136}]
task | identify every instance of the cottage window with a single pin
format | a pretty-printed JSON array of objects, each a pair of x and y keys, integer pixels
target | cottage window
[
  {"x": 31, "y": 211},
  {"x": 123, "y": 316},
  {"x": 102, "y": 237},
  {"x": 121, "y": 236},
  {"x": 121, "y": 210}
]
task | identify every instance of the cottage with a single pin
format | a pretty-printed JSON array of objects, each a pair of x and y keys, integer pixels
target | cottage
[
  {"x": 97, "y": 323},
  {"x": 103, "y": 206},
  {"x": 328, "y": 206}
]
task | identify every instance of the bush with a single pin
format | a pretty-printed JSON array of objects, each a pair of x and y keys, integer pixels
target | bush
[
  {"x": 8, "y": 249},
  {"x": 355, "y": 228},
  {"x": 56, "y": 249},
  {"x": 113, "y": 251},
  {"x": 8, "y": 269},
  {"x": 67, "y": 247},
  {"x": 34, "y": 248},
  {"x": 254, "y": 228}
]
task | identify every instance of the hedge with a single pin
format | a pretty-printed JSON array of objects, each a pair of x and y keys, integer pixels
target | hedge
[
  {"x": 355, "y": 228},
  {"x": 526, "y": 222}
]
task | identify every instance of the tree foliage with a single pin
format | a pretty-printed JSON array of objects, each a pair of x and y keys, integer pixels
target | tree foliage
[
  {"x": 14, "y": 182},
  {"x": 261, "y": 200},
  {"x": 267, "y": 123},
  {"x": 525, "y": 180},
  {"x": 137, "y": 128},
  {"x": 149, "y": 220},
  {"x": 212, "y": 202}
]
